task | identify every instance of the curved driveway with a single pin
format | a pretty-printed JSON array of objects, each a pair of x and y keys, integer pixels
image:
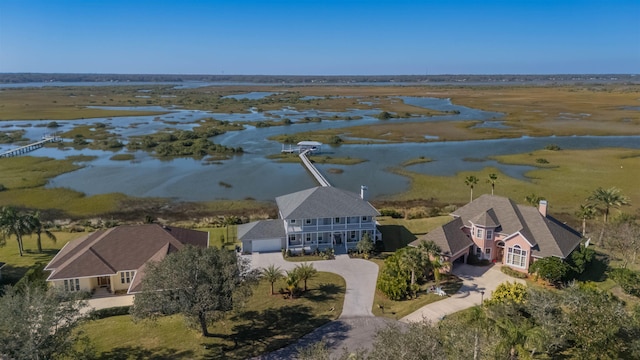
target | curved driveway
[{"x": 360, "y": 276}]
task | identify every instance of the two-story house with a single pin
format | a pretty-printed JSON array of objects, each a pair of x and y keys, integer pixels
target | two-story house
[
  {"x": 497, "y": 229},
  {"x": 316, "y": 218}
]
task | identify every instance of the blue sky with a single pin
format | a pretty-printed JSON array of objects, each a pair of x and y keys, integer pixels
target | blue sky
[{"x": 320, "y": 37}]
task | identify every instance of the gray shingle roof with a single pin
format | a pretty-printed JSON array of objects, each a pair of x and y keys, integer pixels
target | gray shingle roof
[
  {"x": 323, "y": 202},
  {"x": 449, "y": 237},
  {"x": 264, "y": 229},
  {"x": 486, "y": 219}
]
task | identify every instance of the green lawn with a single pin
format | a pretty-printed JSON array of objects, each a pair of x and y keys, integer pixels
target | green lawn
[
  {"x": 265, "y": 324},
  {"x": 382, "y": 306},
  {"x": 397, "y": 233},
  {"x": 18, "y": 265}
]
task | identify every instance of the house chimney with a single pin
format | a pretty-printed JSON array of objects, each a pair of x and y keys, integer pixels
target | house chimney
[
  {"x": 363, "y": 192},
  {"x": 542, "y": 207}
]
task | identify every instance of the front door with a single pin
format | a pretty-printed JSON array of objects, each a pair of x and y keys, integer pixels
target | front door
[{"x": 104, "y": 281}]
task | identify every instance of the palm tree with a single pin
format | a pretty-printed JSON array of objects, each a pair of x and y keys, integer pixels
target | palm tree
[
  {"x": 470, "y": 181},
  {"x": 492, "y": 180},
  {"x": 586, "y": 212},
  {"x": 432, "y": 253},
  {"x": 305, "y": 272},
  {"x": 413, "y": 260},
  {"x": 292, "y": 281},
  {"x": 14, "y": 223},
  {"x": 39, "y": 229},
  {"x": 230, "y": 220},
  {"x": 272, "y": 274},
  {"x": 605, "y": 199}
]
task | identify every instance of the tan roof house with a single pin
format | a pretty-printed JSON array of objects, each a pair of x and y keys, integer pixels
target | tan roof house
[
  {"x": 497, "y": 229},
  {"x": 115, "y": 258}
]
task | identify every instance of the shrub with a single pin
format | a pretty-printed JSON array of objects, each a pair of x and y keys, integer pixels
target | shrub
[
  {"x": 551, "y": 269},
  {"x": 553, "y": 147},
  {"x": 109, "y": 312},
  {"x": 542, "y": 161},
  {"x": 628, "y": 280},
  {"x": 513, "y": 273},
  {"x": 2, "y": 187},
  {"x": 391, "y": 212}
]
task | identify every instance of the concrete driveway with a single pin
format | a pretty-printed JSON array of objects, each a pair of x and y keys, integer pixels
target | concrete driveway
[
  {"x": 360, "y": 276},
  {"x": 474, "y": 280}
]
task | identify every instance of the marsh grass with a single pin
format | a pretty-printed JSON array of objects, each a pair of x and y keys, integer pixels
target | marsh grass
[
  {"x": 122, "y": 157},
  {"x": 266, "y": 323}
]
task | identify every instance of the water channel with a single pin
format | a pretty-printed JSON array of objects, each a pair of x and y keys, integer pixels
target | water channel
[{"x": 252, "y": 175}]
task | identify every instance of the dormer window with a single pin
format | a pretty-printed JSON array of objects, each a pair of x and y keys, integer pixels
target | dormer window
[{"x": 479, "y": 233}]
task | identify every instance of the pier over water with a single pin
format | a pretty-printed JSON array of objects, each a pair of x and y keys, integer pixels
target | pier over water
[{"x": 33, "y": 146}]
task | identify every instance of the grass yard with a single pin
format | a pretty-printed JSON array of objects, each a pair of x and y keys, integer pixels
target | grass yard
[
  {"x": 18, "y": 265},
  {"x": 399, "y": 309},
  {"x": 397, "y": 233},
  {"x": 267, "y": 323}
]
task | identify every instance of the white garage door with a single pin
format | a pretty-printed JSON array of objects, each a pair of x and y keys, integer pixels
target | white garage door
[{"x": 266, "y": 245}]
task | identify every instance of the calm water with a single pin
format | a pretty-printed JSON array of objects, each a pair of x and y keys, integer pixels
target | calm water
[{"x": 252, "y": 175}]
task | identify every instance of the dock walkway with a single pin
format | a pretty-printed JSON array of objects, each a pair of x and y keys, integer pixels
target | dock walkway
[
  {"x": 312, "y": 169},
  {"x": 27, "y": 148}
]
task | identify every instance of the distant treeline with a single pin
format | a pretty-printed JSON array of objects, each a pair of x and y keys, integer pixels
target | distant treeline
[{"x": 319, "y": 79}]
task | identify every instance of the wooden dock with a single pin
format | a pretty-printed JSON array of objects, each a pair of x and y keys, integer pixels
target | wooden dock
[
  {"x": 312, "y": 169},
  {"x": 33, "y": 146}
]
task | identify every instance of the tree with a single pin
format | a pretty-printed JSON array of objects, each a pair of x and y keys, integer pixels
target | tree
[
  {"x": 624, "y": 241},
  {"x": 292, "y": 279},
  {"x": 605, "y": 199},
  {"x": 394, "y": 278},
  {"x": 533, "y": 199},
  {"x": 420, "y": 341},
  {"x": 196, "y": 282},
  {"x": 305, "y": 272},
  {"x": 272, "y": 274},
  {"x": 432, "y": 253},
  {"x": 551, "y": 269},
  {"x": 39, "y": 229},
  {"x": 471, "y": 181},
  {"x": 14, "y": 223},
  {"x": 37, "y": 323},
  {"x": 492, "y": 180},
  {"x": 365, "y": 245},
  {"x": 414, "y": 261},
  {"x": 580, "y": 259},
  {"x": 586, "y": 212}
]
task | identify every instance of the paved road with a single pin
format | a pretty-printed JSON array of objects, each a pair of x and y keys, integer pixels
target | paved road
[
  {"x": 474, "y": 280},
  {"x": 360, "y": 276}
]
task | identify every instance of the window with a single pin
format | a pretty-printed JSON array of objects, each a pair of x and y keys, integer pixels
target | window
[
  {"x": 292, "y": 238},
  {"x": 319, "y": 237},
  {"x": 478, "y": 251},
  {"x": 125, "y": 277},
  {"x": 292, "y": 221},
  {"x": 308, "y": 221},
  {"x": 516, "y": 256},
  {"x": 336, "y": 221},
  {"x": 72, "y": 285},
  {"x": 353, "y": 235},
  {"x": 307, "y": 238},
  {"x": 487, "y": 252},
  {"x": 365, "y": 219},
  {"x": 479, "y": 233},
  {"x": 489, "y": 234}
]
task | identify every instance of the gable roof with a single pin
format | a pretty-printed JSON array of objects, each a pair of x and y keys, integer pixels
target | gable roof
[
  {"x": 449, "y": 237},
  {"x": 486, "y": 219},
  {"x": 123, "y": 248},
  {"x": 323, "y": 202},
  {"x": 545, "y": 234},
  {"x": 264, "y": 229}
]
